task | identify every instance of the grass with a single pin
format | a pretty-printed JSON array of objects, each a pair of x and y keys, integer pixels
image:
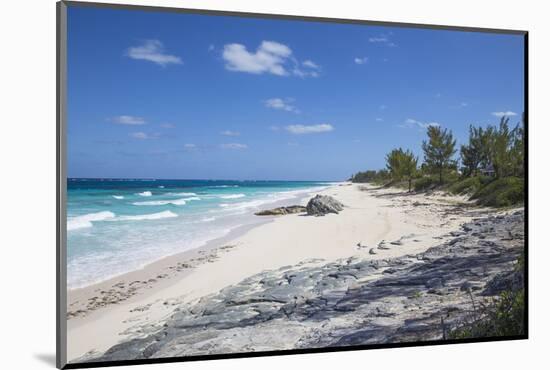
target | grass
[
  {"x": 503, "y": 192},
  {"x": 505, "y": 317},
  {"x": 469, "y": 185}
]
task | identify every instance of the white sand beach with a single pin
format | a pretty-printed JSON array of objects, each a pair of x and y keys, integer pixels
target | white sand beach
[{"x": 104, "y": 314}]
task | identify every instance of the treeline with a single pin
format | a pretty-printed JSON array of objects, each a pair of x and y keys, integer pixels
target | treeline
[{"x": 490, "y": 167}]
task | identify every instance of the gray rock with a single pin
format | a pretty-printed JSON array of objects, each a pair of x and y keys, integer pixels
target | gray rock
[
  {"x": 332, "y": 304},
  {"x": 279, "y": 211},
  {"x": 321, "y": 205}
]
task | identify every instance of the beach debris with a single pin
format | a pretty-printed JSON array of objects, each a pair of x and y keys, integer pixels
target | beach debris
[
  {"x": 321, "y": 205},
  {"x": 372, "y": 251},
  {"x": 382, "y": 245},
  {"x": 279, "y": 211}
]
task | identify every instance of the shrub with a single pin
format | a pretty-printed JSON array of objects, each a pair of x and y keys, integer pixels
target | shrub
[
  {"x": 504, "y": 318},
  {"x": 503, "y": 192},
  {"x": 469, "y": 185}
]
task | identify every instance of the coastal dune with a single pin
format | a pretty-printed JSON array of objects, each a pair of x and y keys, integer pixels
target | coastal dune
[{"x": 375, "y": 225}]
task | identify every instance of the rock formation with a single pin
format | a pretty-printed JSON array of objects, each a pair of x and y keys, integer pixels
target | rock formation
[{"x": 320, "y": 205}]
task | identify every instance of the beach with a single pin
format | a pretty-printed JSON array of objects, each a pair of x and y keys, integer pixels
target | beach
[{"x": 376, "y": 224}]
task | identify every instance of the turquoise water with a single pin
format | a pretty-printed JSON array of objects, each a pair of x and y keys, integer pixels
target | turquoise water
[{"x": 115, "y": 226}]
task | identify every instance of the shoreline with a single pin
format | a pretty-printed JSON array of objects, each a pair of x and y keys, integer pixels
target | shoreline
[
  {"x": 172, "y": 262},
  {"x": 376, "y": 224}
]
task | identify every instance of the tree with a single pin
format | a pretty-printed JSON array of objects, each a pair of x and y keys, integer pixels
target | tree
[
  {"x": 439, "y": 150},
  {"x": 408, "y": 166},
  {"x": 500, "y": 145},
  {"x": 518, "y": 149},
  {"x": 401, "y": 164},
  {"x": 472, "y": 155}
]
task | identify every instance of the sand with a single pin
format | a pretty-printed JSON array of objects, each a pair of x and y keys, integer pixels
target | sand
[{"x": 135, "y": 303}]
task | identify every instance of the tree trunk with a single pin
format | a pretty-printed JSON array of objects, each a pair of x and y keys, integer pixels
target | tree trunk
[{"x": 410, "y": 181}]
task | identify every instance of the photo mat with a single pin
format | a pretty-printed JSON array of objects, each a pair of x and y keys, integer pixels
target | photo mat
[{"x": 235, "y": 185}]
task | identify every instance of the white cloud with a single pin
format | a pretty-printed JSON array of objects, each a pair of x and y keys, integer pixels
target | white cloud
[
  {"x": 362, "y": 60},
  {"x": 128, "y": 120},
  {"x": 139, "y": 135},
  {"x": 153, "y": 51},
  {"x": 410, "y": 122},
  {"x": 234, "y": 146},
  {"x": 230, "y": 133},
  {"x": 504, "y": 114},
  {"x": 382, "y": 39},
  {"x": 281, "y": 104},
  {"x": 378, "y": 39},
  {"x": 270, "y": 57},
  {"x": 309, "y": 129},
  {"x": 309, "y": 64}
]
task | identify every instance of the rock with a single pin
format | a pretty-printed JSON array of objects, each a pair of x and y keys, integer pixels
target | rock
[
  {"x": 320, "y": 205},
  {"x": 372, "y": 251},
  {"x": 317, "y": 304},
  {"x": 279, "y": 211}
]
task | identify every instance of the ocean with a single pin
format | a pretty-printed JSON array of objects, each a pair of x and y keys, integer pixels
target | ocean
[{"x": 118, "y": 225}]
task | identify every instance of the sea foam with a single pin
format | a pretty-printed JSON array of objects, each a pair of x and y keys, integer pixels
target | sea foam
[
  {"x": 232, "y": 196},
  {"x": 176, "y": 202},
  {"x": 84, "y": 221},
  {"x": 118, "y": 196},
  {"x": 145, "y": 194},
  {"x": 150, "y": 216}
]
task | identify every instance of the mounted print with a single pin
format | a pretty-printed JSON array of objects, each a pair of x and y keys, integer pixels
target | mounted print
[{"x": 234, "y": 184}]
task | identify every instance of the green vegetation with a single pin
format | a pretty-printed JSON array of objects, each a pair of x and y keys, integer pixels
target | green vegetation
[
  {"x": 439, "y": 151},
  {"x": 504, "y": 192},
  {"x": 489, "y": 167},
  {"x": 505, "y": 317},
  {"x": 402, "y": 165}
]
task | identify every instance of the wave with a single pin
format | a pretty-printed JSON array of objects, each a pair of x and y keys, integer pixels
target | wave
[
  {"x": 161, "y": 187},
  {"x": 150, "y": 216},
  {"x": 183, "y": 194},
  {"x": 232, "y": 196},
  {"x": 176, "y": 202},
  {"x": 145, "y": 194},
  {"x": 224, "y": 186},
  {"x": 84, "y": 221},
  {"x": 118, "y": 196}
]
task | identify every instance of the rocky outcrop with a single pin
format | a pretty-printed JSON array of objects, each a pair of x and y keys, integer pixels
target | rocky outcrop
[
  {"x": 355, "y": 301},
  {"x": 279, "y": 211},
  {"x": 320, "y": 205}
]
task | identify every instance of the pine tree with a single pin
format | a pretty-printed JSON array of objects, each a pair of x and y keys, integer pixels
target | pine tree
[
  {"x": 401, "y": 164},
  {"x": 472, "y": 154},
  {"x": 439, "y": 150}
]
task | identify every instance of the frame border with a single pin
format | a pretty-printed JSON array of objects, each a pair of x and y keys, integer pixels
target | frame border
[{"x": 61, "y": 186}]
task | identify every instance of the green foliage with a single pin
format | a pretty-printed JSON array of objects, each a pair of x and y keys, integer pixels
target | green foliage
[
  {"x": 503, "y": 192},
  {"x": 469, "y": 185},
  {"x": 371, "y": 176},
  {"x": 439, "y": 151},
  {"x": 426, "y": 183},
  {"x": 402, "y": 165},
  {"x": 504, "y": 318},
  {"x": 473, "y": 154}
]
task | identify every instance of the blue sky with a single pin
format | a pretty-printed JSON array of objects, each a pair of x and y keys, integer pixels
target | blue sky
[{"x": 164, "y": 95}]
